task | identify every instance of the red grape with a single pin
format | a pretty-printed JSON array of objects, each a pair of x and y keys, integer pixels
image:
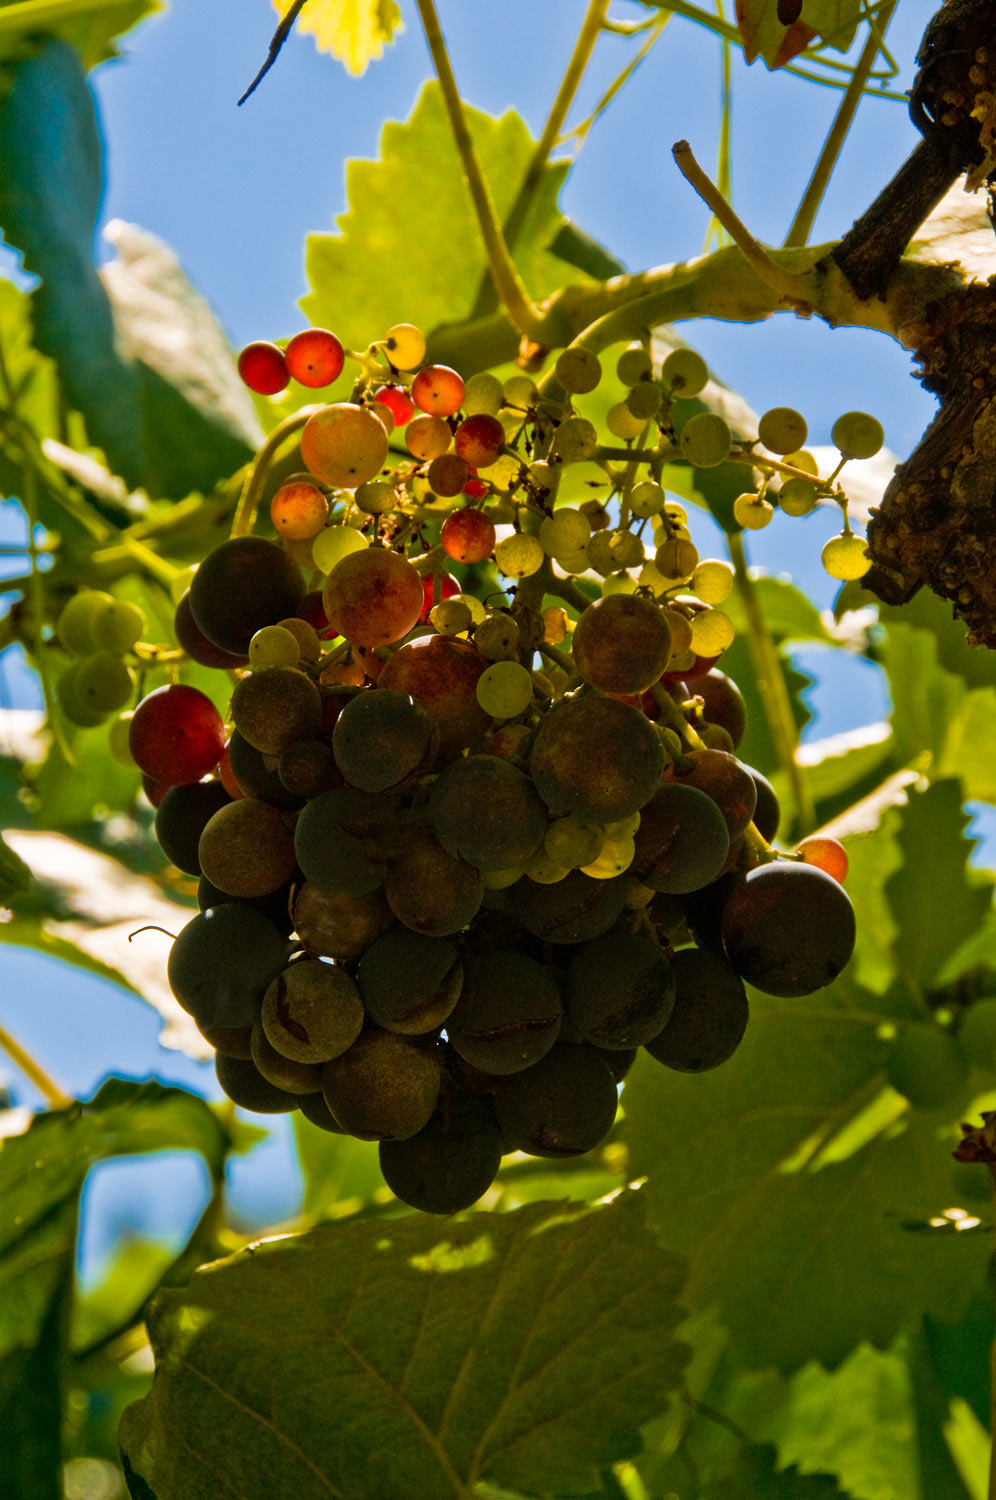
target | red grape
[
  {"x": 827, "y": 855},
  {"x": 263, "y": 368},
  {"x": 315, "y": 357},
  {"x": 479, "y": 439},
  {"x": 312, "y": 610},
  {"x": 476, "y": 489},
  {"x": 374, "y": 596},
  {"x": 438, "y": 390},
  {"x": 468, "y": 536},
  {"x": 176, "y": 735},
  {"x": 398, "y": 402},
  {"x": 448, "y": 587}
]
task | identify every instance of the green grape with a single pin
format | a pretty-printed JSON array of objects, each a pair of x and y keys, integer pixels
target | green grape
[
  {"x": 712, "y": 580},
  {"x": 618, "y": 583},
  {"x": 926, "y": 1065},
  {"x": 472, "y": 604},
  {"x": 621, "y": 422},
  {"x": 504, "y": 689},
  {"x": 633, "y": 365},
  {"x": 544, "y": 870},
  {"x": 500, "y": 880},
  {"x": 574, "y": 562},
  {"x": 676, "y": 558},
  {"x": 376, "y": 497},
  {"x": 615, "y": 859},
  {"x": 117, "y": 625},
  {"x": 752, "y": 512},
  {"x": 712, "y": 632},
  {"x": 578, "y": 370},
  {"x": 610, "y": 551},
  {"x": 644, "y": 400},
  {"x": 622, "y": 828},
  {"x": 797, "y": 497},
  {"x": 571, "y": 843},
  {"x": 504, "y": 474},
  {"x": 684, "y": 372},
  {"x": 977, "y": 1033},
  {"x": 646, "y": 499},
  {"x": 103, "y": 682},
  {"x": 483, "y": 395},
  {"x": 857, "y": 435},
  {"x": 575, "y": 440},
  {"x": 274, "y": 646},
  {"x": 450, "y": 617},
  {"x": 334, "y": 543},
  {"x": 405, "y": 346},
  {"x": 497, "y": 638},
  {"x": 74, "y": 626},
  {"x": 117, "y": 740},
  {"x": 521, "y": 392},
  {"x": 782, "y": 430},
  {"x": 565, "y": 532},
  {"x": 519, "y": 555},
  {"x": 706, "y": 440},
  {"x": 846, "y": 557}
]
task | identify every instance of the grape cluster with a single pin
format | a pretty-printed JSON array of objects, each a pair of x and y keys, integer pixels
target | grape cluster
[{"x": 468, "y": 842}]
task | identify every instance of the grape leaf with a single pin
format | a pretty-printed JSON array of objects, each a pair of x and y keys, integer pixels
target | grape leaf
[
  {"x": 872, "y": 859},
  {"x": 413, "y": 1358},
  {"x": 790, "y": 616},
  {"x": 336, "y": 1168},
  {"x": 935, "y": 904},
  {"x": 846, "y": 766},
  {"x": 755, "y": 1476},
  {"x": 354, "y": 31},
  {"x": 31, "y": 1399},
  {"x": 764, "y": 35},
  {"x": 927, "y": 611},
  {"x": 721, "y": 1151},
  {"x": 92, "y": 32},
  {"x": 968, "y": 746},
  {"x": 925, "y": 696},
  {"x": 15, "y": 877},
  {"x": 163, "y": 423}
]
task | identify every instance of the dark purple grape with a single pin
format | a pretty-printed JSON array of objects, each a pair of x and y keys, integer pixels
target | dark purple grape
[
  {"x": 222, "y": 961},
  {"x": 788, "y": 928},
  {"x": 562, "y": 1106},
  {"x": 245, "y": 1085},
  {"x": 682, "y": 842},
  {"x": 450, "y": 1163},
  {"x": 709, "y": 1017},
  {"x": 244, "y": 584},
  {"x": 181, "y": 817},
  {"x": 509, "y": 1014},
  {"x": 620, "y": 990}
]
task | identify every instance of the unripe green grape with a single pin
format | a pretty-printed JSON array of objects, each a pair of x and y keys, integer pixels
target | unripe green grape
[
  {"x": 846, "y": 557},
  {"x": 273, "y": 646},
  {"x": 712, "y": 632},
  {"x": 712, "y": 580},
  {"x": 500, "y": 880},
  {"x": 117, "y": 740},
  {"x": 504, "y": 689},
  {"x": 520, "y": 391},
  {"x": 571, "y": 843},
  {"x": 622, "y": 424},
  {"x": 483, "y": 395},
  {"x": 622, "y": 828},
  {"x": 575, "y": 440},
  {"x": 611, "y": 551},
  {"x": 633, "y": 365},
  {"x": 74, "y": 626},
  {"x": 803, "y": 460},
  {"x": 618, "y": 583},
  {"x": 450, "y": 616},
  {"x": 857, "y": 435},
  {"x": 544, "y": 870},
  {"x": 503, "y": 474},
  {"x": 334, "y": 543},
  {"x": 427, "y": 437},
  {"x": 646, "y": 499},
  {"x": 797, "y": 497},
  {"x": 519, "y": 555},
  {"x": 684, "y": 372},
  {"x": 926, "y": 1065},
  {"x": 117, "y": 625},
  {"x": 644, "y": 400},
  {"x": 650, "y": 577},
  {"x": 782, "y": 430},
  {"x": 497, "y": 638},
  {"x": 674, "y": 515},
  {"x": 977, "y": 1033},
  {"x": 405, "y": 345},
  {"x": 615, "y": 858},
  {"x": 578, "y": 370},
  {"x": 752, "y": 512},
  {"x": 706, "y": 440},
  {"x": 676, "y": 558},
  {"x": 574, "y": 562},
  {"x": 308, "y": 645},
  {"x": 544, "y": 478},
  {"x": 474, "y": 606},
  {"x": 75, "y": 709},
  {"x": 566, "y": 531},
  {"x": 103, "y": 682},
  {"x": 681, "y": 636}
]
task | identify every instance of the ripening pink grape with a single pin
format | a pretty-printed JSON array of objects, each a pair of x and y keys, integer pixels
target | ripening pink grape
[
  {"x": 448, "y": 589},
  {"x": 476, "y": 489},
  {"x": 315, "y": 357},
  {"x": 299, "y": 510},
  {"x": 479, "y": 439},
  {"x": 176, "y": 735},
  {"x": 263, "y": 368},
  {"x": 827, "y": 855},
  {"x": 438, "y": 390},
  {"x": 468, "y": 536},
  {"x": 427, "y": 437},
  {"x": 384, "y": 414},
  {"x": 398, "y": 402},
  {"x": 374, "y": 596}
]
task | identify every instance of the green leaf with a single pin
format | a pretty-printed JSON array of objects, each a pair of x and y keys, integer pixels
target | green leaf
[
  {"x": 764, "y": 35},
  {"x": 413, "y": 1358},
  {"x": 789, "y": 614},
  {"x": 756, "y": 1477},
  {"x": 844, "y": 767},
  {"x": 757, "y": 747},
  {"x": 336, "y": 1168},
  {"x": 723, "y": 1152},
  {"x": 935, "y": 902},
  {"x": 408, "y": 247},
  {"x": 354, "y": 31},
  {"x": 927, "y": 611},
  {"x": 925, "y": 696},
  {"x": 968, "y": 746},
  {"x": 161, "y": 419},
  {"x": 15, "y": 877},
  {"x": 31, "y": 1399},
  {"x": 88, "y": 25},
  {"x": 872, "y": 860}
]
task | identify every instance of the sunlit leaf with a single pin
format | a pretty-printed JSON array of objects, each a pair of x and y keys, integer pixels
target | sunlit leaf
[
  {"x": 354, "y": 31},
  {"x": 92, "y": 30},
  {"x": 957, "y": 232}
]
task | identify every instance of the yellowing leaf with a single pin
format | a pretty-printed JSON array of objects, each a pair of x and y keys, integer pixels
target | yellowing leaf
[{"x": 354, "y": 31}]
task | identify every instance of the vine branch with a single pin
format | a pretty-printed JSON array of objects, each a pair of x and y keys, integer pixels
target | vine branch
[{"x": 52, "y": 1094}]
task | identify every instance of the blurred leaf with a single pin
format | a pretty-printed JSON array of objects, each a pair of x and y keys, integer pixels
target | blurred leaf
[
  {"x": 939, "y": 1474},
  {"x": 134, "y": 1271},
  {"x": 968, "y": 746},
  {"x": 957, "y": 232},
  {"x": 925, "y": 696},
  {"x": 764, "y": 35},
  {"x": 523, "y": 1348},
  {"x": 848, "y": 764},
  {"x": 163, "y": 423},
  {"x": 790, "y": 616},
  {"x": 927, "y": 611},
  {"x": 354, "y": 31},
  {"x": 757, "y": 747},
  {"x": 755, "y": 1476},
  {"x": 31, "y": 1398},
  {"x": 335, "y": 1167},
  {"x": 92, "y": 32},
  {"x": 935, "y": 902},
  {"x": 872, "y": 860},
  {"x": 15, "y": 877}
]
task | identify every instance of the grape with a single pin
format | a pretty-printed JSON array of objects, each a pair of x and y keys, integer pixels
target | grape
[
  {"x": 298, "y": 509},
  {"x": 247, "y": 848},
  {"x": 578, "y": 370},
  {"x": 344, "y": 839},
  {"x": 254, "y": 778},
  {"x": 242, "y": 585},
  {"x": 274, "y": 707},
  {"x": 676, "y": 557},
  {"x": 450, "y": 617},
  {"x": 846, "y": 556},
  {"x": 75, "y": 709},
  {"x": 385, "y": 1086},
  {"x": 684, "y": 372},
  {"x": 722, "y": 703},
  {"x": 646, "y": 499},
  {"x": 479, "y": 439},
  {"x": 571, "y": 910},
  {"x": 622, "y": 644},
  {"x": 485, "y": 811},
  {"x": 376, "y": 497},
  {"x": 566, "y": 531},
  {"x": 857, "y": 435},
  {"x": 338, "y": 926},
  {"x": 682, "y": 842},
  {"x": 443, "y": 674},
  {"x": 497, "y": 638},
  {"x": 316, "y": 1112},
  {"x": 504, "y": 689},
  {"x": 709, "y": 1017},
  {"x": 926, "y": 1065},
  {"x": 427, "y": 437},
  {"x": 283, "y": 1072},
  {"x": 681, "y": 631},
  {"x": 307, "y": 768},
  {"x": 176, "y": 734},
  {"x": 826, "y": 854},
  {"x": 308, "y": 645},
  {"x": 438, "y": 390},
  {"x": 614, "y": 858},
  {"x": 117, "y": 741},
  {"x": 782, "y": 430},
  {"x": 609, "y": 551},
  {"x": 398, "y": 402},
  {"x": 409, "y": 983},
  {"x": 725, "y": 780},
  {"x": 314, "y": 358},
  {"x": 620, "y": 990},
  {"x": 263, "y": 368},
  {"x": 375, "y": 597},
  {"x": 706, "y": 440},
  {"x": 788, "y": 929},
  {"x": 712, "y": 580},
  {"x": 768, "y": 813},
  {"x": 450, "y": 1163},
  {"x": 554, "y": 624},
  {"x": 405, "y": 346},
  {"x": 74, "y": 627},
  {"x": 797, "y": 497},
  {"x": 273, "y": 646},
  {"x": 561, "y": 1106},
  {"x": 116, "y": 625},
  {"x": 447, "y": 475},
  {"x": 435, "y": 588},
  {"x": 234, "y": 1041},
  {"x": 752, "y": 512},
  {"x": 102, "y": 682},
  {"x": 312, "y": 1012},
  {"x": 468, "y": 536},
  {"x": 429, "y": 890},
  {"x": 571, "y": 844},
  {"x": 383, "y": 740},
  {"x": 275, "y": 905},
  {"x": 483, "y": 393},
  {"x": 575, "y": 440},
  {"x": 621, "y": 422},
  {"x": 634, "y": 365},
  {"x": 644, "y": 400},
  {"x": 977, "y": 1033},
  {"x": 344, "y": 444},
  {"x": 181, "y": 817},
  {"x": 245, "y": 1085},
  {"x": 509, "y": 1013},
  {"x": 222, "y": 961},
  {"x": 597, "y": 758},
  {"x": 196, "y": 644},
  {"x": 519, "y": 555}
]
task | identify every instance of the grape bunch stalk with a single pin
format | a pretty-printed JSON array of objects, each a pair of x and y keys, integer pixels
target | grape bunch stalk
[{"x": 472, "y": 830}]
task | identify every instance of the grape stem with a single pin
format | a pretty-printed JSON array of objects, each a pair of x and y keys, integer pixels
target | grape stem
[
  {"x": 53, "y": 1095},
  {"x": 508, "y": 284},
  {"x": 252, "y": 489}
]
